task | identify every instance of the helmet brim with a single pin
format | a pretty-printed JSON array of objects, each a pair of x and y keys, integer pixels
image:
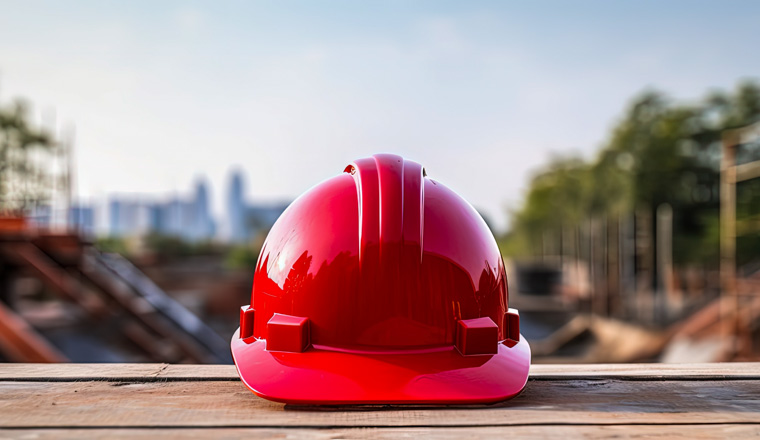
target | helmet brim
[{"x": 430, "y": 376}]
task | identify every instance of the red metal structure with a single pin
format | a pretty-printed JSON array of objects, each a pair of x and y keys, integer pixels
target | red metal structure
[
  {"x": 107, "y": 288},
  {"x": 381, "y": 285}
]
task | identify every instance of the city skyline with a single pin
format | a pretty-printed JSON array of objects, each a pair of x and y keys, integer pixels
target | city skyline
[{"x": 186, "y": 215}]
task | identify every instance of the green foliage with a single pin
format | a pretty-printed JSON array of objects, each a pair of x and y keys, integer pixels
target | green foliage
[
  {"x": 167, "y": 246},
  {"x": 557, "y": 197},
  {"x": 659, "y": 152},
  {"x": 23, "y": 181},
  {"x": 112, "y": 244},
  {"x": 748, "y": 225},
  {"x": 171, "y": 247},
  {"x": 245, "y": 256},
  {"x": 242, "y": 257}
]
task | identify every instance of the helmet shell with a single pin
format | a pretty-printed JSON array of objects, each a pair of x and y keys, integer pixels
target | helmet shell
[{"x": 383, "y": 261}]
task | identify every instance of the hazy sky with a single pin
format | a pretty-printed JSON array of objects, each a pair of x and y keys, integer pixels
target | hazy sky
[{"x": 481, "y": 93}]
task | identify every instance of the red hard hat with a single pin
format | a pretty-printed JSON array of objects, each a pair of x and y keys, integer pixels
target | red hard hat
[{"x": 380, "y": 285}]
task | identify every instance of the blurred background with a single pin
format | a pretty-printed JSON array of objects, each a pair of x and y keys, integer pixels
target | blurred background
[{"x": 146, "y": 149}]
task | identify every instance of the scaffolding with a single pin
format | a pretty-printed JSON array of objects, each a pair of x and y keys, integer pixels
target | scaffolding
[{"x": 737, "y": 304}]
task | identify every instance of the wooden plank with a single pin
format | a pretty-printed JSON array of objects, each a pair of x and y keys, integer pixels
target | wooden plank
[
  {"x": 708, "y": 371},
  {"x": 230, "y": 404},
  {"x": 121, "y": 372},
  {"x": 721, "y": 431},
  {"x": 75, "y": 372},
  {"x": 748, "y": 171}
]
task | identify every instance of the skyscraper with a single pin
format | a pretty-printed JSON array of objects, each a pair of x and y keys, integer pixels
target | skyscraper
[
  {"x": 201, "y": 224},
  {"x": 236, "y": 208}
]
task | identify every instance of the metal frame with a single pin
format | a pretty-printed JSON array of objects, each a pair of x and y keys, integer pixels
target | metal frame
[{"x": 730, "y": 175}]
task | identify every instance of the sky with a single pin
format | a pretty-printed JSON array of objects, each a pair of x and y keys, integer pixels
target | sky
[{"x": 162, "y": 94}]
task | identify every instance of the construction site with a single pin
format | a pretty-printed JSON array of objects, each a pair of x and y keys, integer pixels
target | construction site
[
  {"x": 620, "y": 298},
  {"x": 607, "y": 292},
  {"x": 646, "y": 251},
  {"x": 427, "y": 219}
]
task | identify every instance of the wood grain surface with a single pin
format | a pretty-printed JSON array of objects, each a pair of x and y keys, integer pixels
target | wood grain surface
[
  {"x": 196, "y": 401},
  {"x": 74, "y": 372}
]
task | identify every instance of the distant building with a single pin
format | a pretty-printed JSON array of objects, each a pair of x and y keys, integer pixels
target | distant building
[
  {"x": 185, "y": 217},
  {"x": 236, "y": 208},
  {"x": 76, "y": 218},
  {"x": 189, "y": 219},
  {"x": 203, "y": 226},
  {"x": 41, "y": 215},
  {"x": 128, "y": 217},
  {"x": 81, "y": 218},
  {"x": 246, "y": 221}
]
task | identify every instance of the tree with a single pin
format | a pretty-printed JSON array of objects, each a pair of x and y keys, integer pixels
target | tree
[
  {"x": 660, "y": 152},
  {"x": 23, "y": 180}
]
